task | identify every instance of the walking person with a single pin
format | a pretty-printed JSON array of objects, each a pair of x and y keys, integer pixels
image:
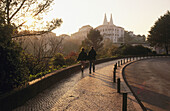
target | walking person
[
  {"x": 92, "y": 57},
  {"x": 82, "y": 58}
]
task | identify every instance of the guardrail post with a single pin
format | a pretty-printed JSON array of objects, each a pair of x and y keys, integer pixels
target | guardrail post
[
  {"x": 116, "y": 66},
  {"x": 118, "y": 85},
  {"x": 121, "y": 62},
  {"x": 124, "y": 107},
  {"x": 118, "y": 63},
  {"x": 114, "y": 75}
]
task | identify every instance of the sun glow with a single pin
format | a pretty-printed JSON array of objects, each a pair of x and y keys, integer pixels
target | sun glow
[{"x": 29, "y": 21}]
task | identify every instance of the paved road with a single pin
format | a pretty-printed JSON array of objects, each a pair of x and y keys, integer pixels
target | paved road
[
  {"x": 48, "y": 98},
  {"x": 150, "y": 80}
]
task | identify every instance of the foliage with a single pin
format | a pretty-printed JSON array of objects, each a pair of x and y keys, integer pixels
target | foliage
[
  {"x": 59, "y": 60},
  {"x": 19, "y": 12},
  {"x": 93, "y": 39},
  {"x": 34, "y": 65},
  {"x": 38, "y": 75},
  {"x": 70, "y": 45},
  {"x": 132, "y": 50},
  {"x": 56, "y": 63},
  {"x": 13, "y": 71},
  {"x": 71, "y": 58},
  {"x": 16, "y": 64},
  {"x": 131, "y": 39},
  {"x": 127, "y": 37},
  {"x": 106, "y": 51},
  {"x": 159, "y": 35}
]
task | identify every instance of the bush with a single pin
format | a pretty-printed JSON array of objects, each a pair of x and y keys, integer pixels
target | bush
[
  {"x": 31, "y": 63},
  {"x": 132, "y": 50},
  {"x": 71, "y": 58},
  {"x": 13, "y": 71},
  {"x": 59, "y": 60}
]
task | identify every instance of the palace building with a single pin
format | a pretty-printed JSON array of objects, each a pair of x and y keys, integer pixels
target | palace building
[{"x": 110, "y": 31}]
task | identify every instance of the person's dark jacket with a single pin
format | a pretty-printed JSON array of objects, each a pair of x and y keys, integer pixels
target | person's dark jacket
[
  {"x": 82, "y": 56},
  {"x": 92, "y": 55}
]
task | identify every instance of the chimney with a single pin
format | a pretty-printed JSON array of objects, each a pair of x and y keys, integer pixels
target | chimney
[
  {"x": 111, "y": 20},
  {"x": 105, "y": 20}
]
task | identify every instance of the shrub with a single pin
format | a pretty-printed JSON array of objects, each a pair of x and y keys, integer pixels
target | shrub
[
  {"x": 59, "y": 60},
  {"x": 13, "y": 71},
  {"x": 132, "y": 50},
  {"x": 71, "y": 58}
]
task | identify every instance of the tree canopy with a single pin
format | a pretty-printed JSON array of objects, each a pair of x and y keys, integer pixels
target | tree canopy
[
  {"x": 19, "y": 12},
  {"x": 131, "y": 39},
  {"x": 132, "y": 50},
  {"x": 93, "y": 39},
  {"x": 159, "y": 35},
  {"x": 13, "y": 71}
]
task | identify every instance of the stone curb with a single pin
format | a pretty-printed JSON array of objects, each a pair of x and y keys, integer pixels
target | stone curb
[
  {"x": 126, "y": 87},
  {"x": 131, "y": 95}
]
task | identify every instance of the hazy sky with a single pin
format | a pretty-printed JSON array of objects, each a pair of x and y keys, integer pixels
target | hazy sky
[{"x": 133, "y": 15}]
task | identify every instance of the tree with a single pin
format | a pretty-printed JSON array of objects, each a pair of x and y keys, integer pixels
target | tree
[
  {"x": 132, "y": 50},
  {"x": 107, "y": 49},
  {"x": 13, "y": 72},
  {"x": 70, "y": 45},
  {"x": 93, "y": 39},
  {"x": 14, "y": 14},
  {"x": 39, "y": 50},
  {"x": 131, "y": 39},
  {"x": 127, "y": 39},
  {"x": 159, "y": 35},
  {"x": 19, "y": 12}
]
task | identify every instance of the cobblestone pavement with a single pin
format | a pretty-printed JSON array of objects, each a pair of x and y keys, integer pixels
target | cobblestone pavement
[
  {"x": 149, "y": 79},
  {"x": 82, "y": 93},
  {"x": 95, "y": 92}
]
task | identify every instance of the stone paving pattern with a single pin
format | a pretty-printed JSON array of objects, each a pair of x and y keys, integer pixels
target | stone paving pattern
[{"x": 95, "y": 92}]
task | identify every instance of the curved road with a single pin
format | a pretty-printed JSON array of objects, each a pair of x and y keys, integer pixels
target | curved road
[{"x": 150, "y": 81}]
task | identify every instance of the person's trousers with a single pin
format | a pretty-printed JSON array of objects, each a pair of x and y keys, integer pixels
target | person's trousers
[{"x": 92, "y": 64}]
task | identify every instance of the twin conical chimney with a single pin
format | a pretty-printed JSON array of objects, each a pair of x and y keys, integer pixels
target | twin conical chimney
[
  {"x": 105, "y": 20},
  {"x": 111, "y": 20}
]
